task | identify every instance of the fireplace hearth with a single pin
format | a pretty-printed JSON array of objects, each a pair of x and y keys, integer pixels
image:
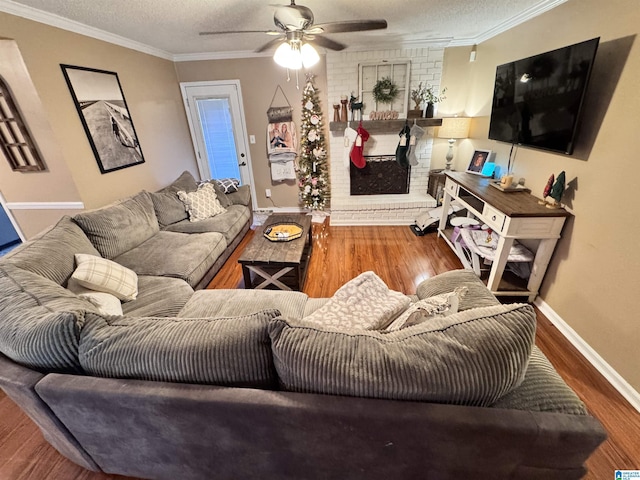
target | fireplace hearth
[{"x": 382, "y": 175}]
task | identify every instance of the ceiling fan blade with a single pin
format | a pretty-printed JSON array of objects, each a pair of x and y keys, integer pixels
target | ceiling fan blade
[
  {"x": 270, "y": 44},
  {"x": 328, "y": 43},
  {"x": 226, "y": 32},
  {"x": 352, "y": 26}
]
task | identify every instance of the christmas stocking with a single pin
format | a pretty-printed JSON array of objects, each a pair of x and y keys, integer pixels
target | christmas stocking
[
  {"x": 403, "y": 147},
  {"x": 416, "y": 134},
  {"x": 349, "y": 139},
  {"x": 357, "y": 152}
]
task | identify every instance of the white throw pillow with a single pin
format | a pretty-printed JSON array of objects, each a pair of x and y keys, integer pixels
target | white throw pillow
[
  {"x": 102, "y": 275},
  {"x": 201, "y": 204},
  {"x": 105, "y": 303},
  {"x": 364, "y": 303}
]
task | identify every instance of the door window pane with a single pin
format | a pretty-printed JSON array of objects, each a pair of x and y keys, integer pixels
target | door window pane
[{"x": 217, "y": 131}]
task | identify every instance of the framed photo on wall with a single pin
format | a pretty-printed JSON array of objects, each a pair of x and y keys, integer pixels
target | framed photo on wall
[
  {"x": 479, "y": 158},
  {"x": 105, "y": 116}
]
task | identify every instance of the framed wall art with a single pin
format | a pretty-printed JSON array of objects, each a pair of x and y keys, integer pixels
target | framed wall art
[
  {"x": 104, "y": 114},
  {"x": 478, "y": 160}
]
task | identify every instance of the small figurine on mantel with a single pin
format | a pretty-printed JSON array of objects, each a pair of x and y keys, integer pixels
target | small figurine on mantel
[
  {"x": 556, "y": 192},
  {"x": 355, "y": 106}
]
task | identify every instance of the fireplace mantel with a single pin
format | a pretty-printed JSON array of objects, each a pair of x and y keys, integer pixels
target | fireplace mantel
[{"x": 385, "y": 126}]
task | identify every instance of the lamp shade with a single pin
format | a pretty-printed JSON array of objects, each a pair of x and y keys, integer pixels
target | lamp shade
[{"x": 454, "y": 127}]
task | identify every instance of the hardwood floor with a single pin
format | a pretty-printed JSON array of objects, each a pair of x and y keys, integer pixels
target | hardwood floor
[{"x": 402, "y": 260}]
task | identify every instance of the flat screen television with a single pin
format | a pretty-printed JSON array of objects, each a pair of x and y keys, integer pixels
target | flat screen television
[{"x": 537, "y": 100}]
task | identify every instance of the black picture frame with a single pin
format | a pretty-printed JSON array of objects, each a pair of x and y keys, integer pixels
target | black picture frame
[
  {"x": 99, "y": 100},
  {"x": 479, "y": 158}
]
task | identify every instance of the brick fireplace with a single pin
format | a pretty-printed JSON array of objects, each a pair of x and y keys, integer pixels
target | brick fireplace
[{"x": 382, "y": 209}]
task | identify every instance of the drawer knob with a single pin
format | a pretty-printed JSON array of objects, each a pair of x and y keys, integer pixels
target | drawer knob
[{"x": 493, "y": 218}]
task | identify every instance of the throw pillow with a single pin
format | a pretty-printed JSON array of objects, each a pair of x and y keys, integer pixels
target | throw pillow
[
  {"x": 423, "y": 310},
  {"x": 364, "y": 302},
  {"x": 102, "y": 275},
  {"x": 470, "y": 358},
  {"x": 228, "y": 185},
  {"x": 105, "y": 303},
  {"x": 202, "y": 203},
  {"x": 220, "y": 194}
]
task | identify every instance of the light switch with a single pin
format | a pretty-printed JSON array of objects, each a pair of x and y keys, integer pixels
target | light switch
[{"x": 252, "y": 139}]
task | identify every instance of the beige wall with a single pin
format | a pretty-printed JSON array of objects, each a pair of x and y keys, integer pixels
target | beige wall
[
  {"x": 259, "y": 78},
  {"x": 153, "y": 97},
  {"x": 594, "y": 278}
]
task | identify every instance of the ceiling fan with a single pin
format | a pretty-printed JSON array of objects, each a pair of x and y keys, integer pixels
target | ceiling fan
[{"x": 295, "y": 30}]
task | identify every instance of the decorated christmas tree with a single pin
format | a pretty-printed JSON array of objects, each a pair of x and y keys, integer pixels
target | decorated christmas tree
[{"x": 313, "y": 173}]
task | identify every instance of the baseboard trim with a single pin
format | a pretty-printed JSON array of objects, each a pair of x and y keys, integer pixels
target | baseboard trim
[
  {"x": 45, "y": 205},
  {"x": 612, "y": 376}
]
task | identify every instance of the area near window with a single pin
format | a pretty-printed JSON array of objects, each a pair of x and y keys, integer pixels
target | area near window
[{"x": 398, "y": 72}]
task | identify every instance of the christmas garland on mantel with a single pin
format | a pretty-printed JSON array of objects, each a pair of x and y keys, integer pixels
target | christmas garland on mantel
[{"x": 385, "y": 91}]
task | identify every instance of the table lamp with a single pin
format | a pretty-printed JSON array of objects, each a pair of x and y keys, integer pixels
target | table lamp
[{"x": 453, "y": 128}]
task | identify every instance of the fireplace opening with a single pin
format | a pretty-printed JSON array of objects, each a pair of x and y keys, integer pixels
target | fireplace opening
[{"x": 382, "y": 175}]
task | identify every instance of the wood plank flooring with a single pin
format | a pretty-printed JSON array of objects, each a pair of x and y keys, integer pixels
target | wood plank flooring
[{"x": 402, "y": 260}]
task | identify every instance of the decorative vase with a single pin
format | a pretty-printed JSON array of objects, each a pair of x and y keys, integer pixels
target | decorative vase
[
  {"x": 428, "y": 112},
  {"x": 344, "y": 114},
  {"x": 336, "y": 112}
]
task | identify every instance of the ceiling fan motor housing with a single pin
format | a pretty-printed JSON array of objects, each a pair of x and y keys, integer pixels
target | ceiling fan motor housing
[{"x": 293, "y": 17}]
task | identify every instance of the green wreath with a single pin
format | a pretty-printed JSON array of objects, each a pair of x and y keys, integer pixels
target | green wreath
[{"x": 385, "y": 91}]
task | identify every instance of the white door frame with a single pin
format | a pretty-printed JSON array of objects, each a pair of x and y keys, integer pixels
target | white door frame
[{"x": 242, "y": 140}]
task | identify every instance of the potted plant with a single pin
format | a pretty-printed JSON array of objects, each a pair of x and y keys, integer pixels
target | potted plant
[
  {"x": 417, "y": 96},
  {"x": 430, "y": 98}
]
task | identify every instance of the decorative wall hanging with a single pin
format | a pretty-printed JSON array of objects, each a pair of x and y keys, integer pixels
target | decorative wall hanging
[
  {"x": 15, "y": 140},
  {"x": 282, "y": 140},
  {"x": 314, "y": 171},
  {"x": 105, "y": 116}
]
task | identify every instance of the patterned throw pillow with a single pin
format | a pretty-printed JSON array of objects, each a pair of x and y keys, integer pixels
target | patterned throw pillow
[
  {"x": 201, "y": 204},
  {"x": 228, "y": 185},
  {"x": 428, "y": 308},
  {"x": 102, "y": 275},
  {"x": 363, "y": 303}
]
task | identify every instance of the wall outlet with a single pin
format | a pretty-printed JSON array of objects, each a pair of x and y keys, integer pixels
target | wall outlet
[{"x": 267, "y": 192}]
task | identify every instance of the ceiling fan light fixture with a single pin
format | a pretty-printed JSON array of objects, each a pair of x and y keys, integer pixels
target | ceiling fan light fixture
[
  {"x": 288, "y": 55},
  {"x": 292, "y": 56},
  {"x": 309, "y": 55}
]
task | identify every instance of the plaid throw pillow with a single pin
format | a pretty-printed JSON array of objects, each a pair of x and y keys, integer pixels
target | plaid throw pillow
[
  {"x": 228, "y": 185},
  {"x": 102, "y": 275}
]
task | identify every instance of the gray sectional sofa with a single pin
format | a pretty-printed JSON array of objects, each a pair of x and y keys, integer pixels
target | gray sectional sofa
[{"x": 236, "y": 384}]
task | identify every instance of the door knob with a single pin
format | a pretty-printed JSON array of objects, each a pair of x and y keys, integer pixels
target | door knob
[{"x": 243, "y": 164}]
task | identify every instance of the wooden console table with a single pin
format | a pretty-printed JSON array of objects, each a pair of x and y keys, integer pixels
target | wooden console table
[{"x": 513, "y": 216}]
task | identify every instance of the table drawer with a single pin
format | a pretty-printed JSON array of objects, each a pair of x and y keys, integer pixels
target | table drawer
[
  {"x": 494, "y": 218},
  {"x": 451, "y": 187}
]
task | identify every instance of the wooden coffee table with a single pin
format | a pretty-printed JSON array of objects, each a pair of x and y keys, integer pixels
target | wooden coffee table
[{"x": 281, "y": 265}]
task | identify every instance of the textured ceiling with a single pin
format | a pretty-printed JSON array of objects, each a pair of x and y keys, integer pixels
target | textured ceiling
[{"x": 171, "y": 27}]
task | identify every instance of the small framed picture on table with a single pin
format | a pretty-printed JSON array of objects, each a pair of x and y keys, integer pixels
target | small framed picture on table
[{"x": 478, "y": 161}]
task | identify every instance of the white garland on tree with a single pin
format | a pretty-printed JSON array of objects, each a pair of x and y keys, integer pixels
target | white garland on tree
[{"x": 313, "y": 173}]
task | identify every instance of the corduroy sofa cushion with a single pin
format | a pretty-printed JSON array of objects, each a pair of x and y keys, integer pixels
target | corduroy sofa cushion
[
  {"x": 542, "y": 390},
  {"x": 470, "y": 358},
  {"x": 121, "y": 226},
  {"x": 40, "y": 321},
  {"x": 168, "y": 207},
  {"x": 51, "y": 252},
  {"x": 228, "y": 351},
  {"x": 478, "y": 295}
]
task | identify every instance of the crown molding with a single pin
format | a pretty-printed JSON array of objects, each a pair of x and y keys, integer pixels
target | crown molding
[
  {"x": 194, "y": 57},
  {"x": 522, "y": 17},
  {"x": 40, "y": 16},
  {"x": 53, "y": 20}
]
